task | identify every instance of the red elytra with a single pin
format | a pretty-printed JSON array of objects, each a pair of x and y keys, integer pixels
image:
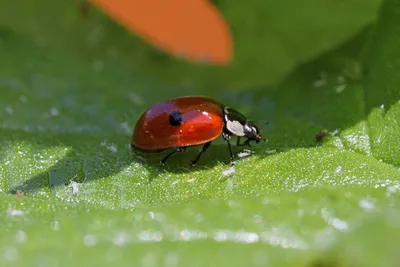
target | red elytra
[{"x": 189, "y": 121}]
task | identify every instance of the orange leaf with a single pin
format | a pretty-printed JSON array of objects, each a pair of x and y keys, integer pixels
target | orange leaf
[{"x": 193, "y": 29}]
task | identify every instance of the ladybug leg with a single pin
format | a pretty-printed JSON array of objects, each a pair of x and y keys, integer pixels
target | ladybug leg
[
  {"x": 238, "y": 141},
  {"x": 180, "y": 149},
  {"x": 227, "y": 138},
  {"x": 204, "y": 149},
  {"x": 245, "y": 143}
]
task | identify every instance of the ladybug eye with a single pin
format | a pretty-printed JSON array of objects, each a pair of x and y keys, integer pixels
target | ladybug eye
[{"x": 175, "y": 118}]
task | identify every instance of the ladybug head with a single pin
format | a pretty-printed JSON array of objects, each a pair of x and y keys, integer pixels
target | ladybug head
[
  {"x": 237, "y": 124},
  {"x": 252, "y": 132}
]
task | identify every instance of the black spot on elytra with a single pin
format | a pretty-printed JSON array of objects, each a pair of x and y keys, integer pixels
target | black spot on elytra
[{"x": 175, "y": 118}]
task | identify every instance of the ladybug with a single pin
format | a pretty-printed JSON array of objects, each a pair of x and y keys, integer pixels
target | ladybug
[{"x": 191, "y": 121}]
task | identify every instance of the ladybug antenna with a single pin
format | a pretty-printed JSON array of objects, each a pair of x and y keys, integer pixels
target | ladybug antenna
[
  {"x": 259, "y": 137},
  {"x": 262, "y": 126}
]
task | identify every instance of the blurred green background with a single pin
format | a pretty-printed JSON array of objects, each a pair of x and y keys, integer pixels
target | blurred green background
[{"x": 73, "y": 86}]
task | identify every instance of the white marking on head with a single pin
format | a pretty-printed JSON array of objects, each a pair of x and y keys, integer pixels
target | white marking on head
[
  {"x": 235, "y": 127},
  {"x": 248, "y": 128}
]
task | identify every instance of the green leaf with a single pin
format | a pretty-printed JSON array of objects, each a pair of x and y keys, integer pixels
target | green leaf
[
  {"x": 271, "y": 38},
  {"x": 281, "y": 232},
  {"x": 65, "y": 126}
]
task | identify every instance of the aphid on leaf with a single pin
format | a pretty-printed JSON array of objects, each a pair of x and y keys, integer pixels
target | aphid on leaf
[{"x": 320, "y": 135}]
